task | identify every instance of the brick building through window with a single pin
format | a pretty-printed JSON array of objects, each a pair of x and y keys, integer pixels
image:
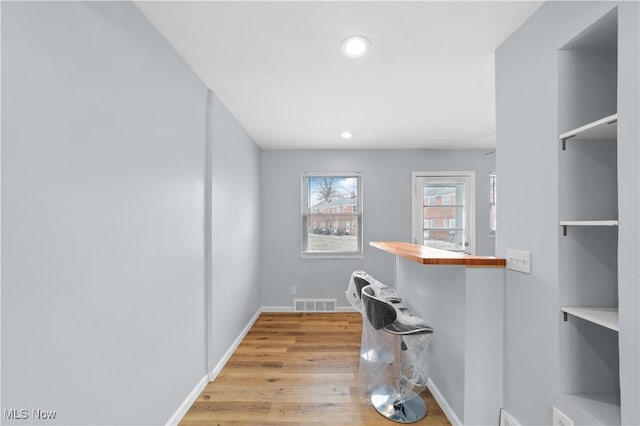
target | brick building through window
[{"x": 332, "y": 217}]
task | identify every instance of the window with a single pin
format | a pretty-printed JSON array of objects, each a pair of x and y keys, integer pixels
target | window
[
  {"x": 334, "y": 200},
  {"x": 443, "y": 210},
  {"x": 492, "y": 204}
]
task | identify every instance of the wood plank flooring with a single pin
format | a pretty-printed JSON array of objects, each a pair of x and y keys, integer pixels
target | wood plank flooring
[{"x": 295, "y": 369}]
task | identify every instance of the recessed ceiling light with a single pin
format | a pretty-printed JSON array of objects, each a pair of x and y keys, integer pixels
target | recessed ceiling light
[
  {"x": 346, "y": 135},
  {"x": 355, "y": 46}
]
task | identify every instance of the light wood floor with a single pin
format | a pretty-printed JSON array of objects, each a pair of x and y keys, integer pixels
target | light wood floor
[{"x": 295, "y": 369}]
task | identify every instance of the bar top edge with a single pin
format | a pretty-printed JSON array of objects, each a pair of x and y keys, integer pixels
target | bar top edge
[{"x": 432, "y": 256}]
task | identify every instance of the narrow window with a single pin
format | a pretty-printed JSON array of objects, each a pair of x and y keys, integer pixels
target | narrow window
[
  {"x": 492, "y": 204},
  {"x": 443, "y": 210}
]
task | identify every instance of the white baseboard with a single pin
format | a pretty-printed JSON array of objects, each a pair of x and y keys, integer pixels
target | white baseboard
[
  {"x": 277, "y": 309},
  {"x": 188, "y": 402},
  {"x": 507, "y": 419},
  {"x": 290, "y": 309},
  {"x": 444, "y": 405},
  {"x": 211, "y": 376},
  {"x": 223, "y": 361}
]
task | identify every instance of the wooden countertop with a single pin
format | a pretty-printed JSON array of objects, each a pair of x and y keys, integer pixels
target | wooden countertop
[{"x": 431, "y": 256}]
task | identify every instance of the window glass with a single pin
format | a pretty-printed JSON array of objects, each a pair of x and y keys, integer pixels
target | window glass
[
  {"x": 443, "y": 214},
  {"x": 334, "y": 202}
]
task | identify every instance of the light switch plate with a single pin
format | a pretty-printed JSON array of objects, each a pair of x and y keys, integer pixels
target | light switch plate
[{"x": 518, "y": 260}]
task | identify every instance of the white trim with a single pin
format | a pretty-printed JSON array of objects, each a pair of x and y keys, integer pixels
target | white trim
[
  {"x": 277, "y": 309},
  {"x": 188, "y": 402},
  {"x": 444, "y": 405},
  {"x": 507, "y": 419},
  {"x": 223, "y": 361},
  {"x": 211, "y": 376}
]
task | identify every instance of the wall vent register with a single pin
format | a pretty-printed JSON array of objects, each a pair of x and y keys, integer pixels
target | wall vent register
[{"x": 314, "y": 305}]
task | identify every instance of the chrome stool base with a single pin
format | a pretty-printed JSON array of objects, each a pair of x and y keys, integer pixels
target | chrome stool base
[{"x": 410, "y": 410}]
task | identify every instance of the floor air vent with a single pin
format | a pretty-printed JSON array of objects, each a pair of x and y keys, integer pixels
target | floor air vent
[{"x": 314, "y": 305}]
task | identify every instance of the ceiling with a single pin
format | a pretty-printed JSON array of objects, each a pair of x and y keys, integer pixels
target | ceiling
[{"x": 427, "y": 82}]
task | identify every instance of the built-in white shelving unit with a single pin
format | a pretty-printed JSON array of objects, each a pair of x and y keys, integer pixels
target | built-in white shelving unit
[
  {"x": 601, "y": 130},
  {"x": 605, "y": 317},
  {"x": 588, "y": 207}
]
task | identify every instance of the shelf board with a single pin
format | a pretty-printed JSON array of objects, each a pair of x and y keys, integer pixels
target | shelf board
[
  {"x": 604, "y": 407},
  {"x": 605, "y": 317},
  {"x": 604, "y": 129},
  {"x": 589, "y": 223}
]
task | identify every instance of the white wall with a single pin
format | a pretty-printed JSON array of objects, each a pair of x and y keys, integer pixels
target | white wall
[
  {"x": 629, "y": 207},
  {"x": 386, "y": 217},
  {"x": 464, "y": 307},
  {"x": 527, "y": 164},
  {"x": 103, "y": 143},
  {"x": 235, "y": 296}
]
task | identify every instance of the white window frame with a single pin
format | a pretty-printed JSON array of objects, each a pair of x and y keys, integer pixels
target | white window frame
[
  {"x": 470, "y": 204},
  {"x": 356, "y": 226},
  {"x": 493, "y": 205}
]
